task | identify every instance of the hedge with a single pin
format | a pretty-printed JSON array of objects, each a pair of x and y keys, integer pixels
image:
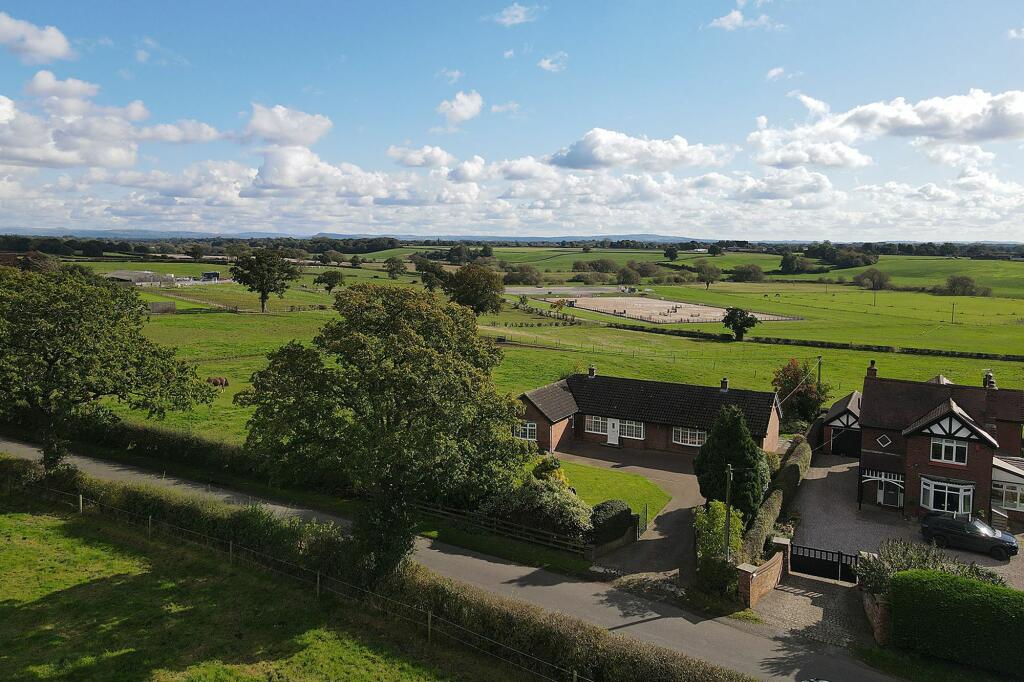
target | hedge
[
  {"x": 562, "y": 640},
  {"x": 610, "y": 520},
  {"x": 783, "y": 491},
  {"x": 958, "y": 619}
]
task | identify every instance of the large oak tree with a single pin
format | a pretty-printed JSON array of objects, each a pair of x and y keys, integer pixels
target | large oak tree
[
  {"x": 264, "y": 272},
  {"x": 398, "y": 394},
  {"x": 69, "y": 340}
]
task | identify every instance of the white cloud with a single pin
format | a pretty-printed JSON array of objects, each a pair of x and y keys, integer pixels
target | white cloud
[
  {"x": 471, "y": 170},
  {"x": 775, "y": 74},
  {"x": 45, "y": 84},
  {"x": 736, "y": 20},
  {"x": 453, "y": 76},
  {"x": 32, "y": 44},
  {"x": 284, "y": 126},
  {"x": 461, "y": 108},
  {"x": 952, "y": 154},
  {"x": 424, "y": 157},
  {"x": 601, "y": 148},
  {"x": 149, "y": 49},
  {"x": 510, "y": 107},
  {"x": 555, "y": 62},
  {"x": 1015, "y": 34},
  {"x": 142, "y": 56},
  {"x": 508, "y": 54},
  {"x": 516, "y": 14},
  {"x": 184, "y": 131}
]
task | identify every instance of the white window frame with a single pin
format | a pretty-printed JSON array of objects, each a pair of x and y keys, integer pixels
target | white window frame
[
  {"x": 526, "y": 431},
  {"x": 965, "y": 495},
  {"x": 1010, "y": 495},
  {"x": 631, "y": 429},
  {"x": 949, "y": 449},
  {"x": 684, "y": 435},
  {"x": 595, "y": 424},
  {"x": 884, "y": 441}
]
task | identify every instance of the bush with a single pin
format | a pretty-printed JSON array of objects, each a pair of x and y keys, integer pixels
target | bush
[
  {"x": 610, "y": 520},
  {"x": 544, "y": 504},
  {"x": 958, "y": 619},
  {"x": 715, "y": 575},
  {"x": 762, "y": 527},
  {"x": 875, "y": 571},
  {"x": 560, "y": 640},
  {"x": 550, "y": 467}
]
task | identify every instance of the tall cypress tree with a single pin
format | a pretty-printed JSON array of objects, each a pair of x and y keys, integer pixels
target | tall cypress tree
[{"x": 730, "y": 442}]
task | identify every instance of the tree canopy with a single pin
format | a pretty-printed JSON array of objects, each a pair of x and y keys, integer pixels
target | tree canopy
[
  {"x": 739, "y": 321},
  {"x": 394, "y": 266},
  {"x": 802, "y": 396},
  {"x": 730, "y": 442},
  {"x": 329, "y": 279},
  {"x": 477, "y": 287},
  {"x": 398, "y": 393},
  {"x": 70, "y": 340},
  {"x": 264, "y": 272},
  {"x": 707, "y": 273}
]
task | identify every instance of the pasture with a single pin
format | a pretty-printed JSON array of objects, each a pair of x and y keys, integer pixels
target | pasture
[{"x": 85, "y": 599}]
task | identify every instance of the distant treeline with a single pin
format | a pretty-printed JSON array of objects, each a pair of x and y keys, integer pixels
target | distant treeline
[{"x": 213, "y": 246}]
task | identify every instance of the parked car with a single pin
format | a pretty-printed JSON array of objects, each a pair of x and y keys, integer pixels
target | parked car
[{"x": 947, "y": 530}]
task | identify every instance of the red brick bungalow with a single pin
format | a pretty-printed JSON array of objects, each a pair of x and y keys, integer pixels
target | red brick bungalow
[
  {"x": 938, "y": 446},
  {"x": 635, "y": 414}
]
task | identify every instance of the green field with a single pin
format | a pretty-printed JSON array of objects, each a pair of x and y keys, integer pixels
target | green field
[{"x": 82, "y": 599}]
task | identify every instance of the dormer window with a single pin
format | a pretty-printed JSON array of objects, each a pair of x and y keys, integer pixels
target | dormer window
[{"x": 949, "y": 451}]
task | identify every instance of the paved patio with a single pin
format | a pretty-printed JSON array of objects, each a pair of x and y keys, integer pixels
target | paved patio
[
  {"x": 667, "y": 545},
  {"x": 829, "y": 518}
]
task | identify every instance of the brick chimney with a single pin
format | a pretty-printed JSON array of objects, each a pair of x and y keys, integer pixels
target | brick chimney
[
  {"x": 872, "y": 370},
  {"x": 591, "y": 372},
  {"x": 725, "y": 384}
]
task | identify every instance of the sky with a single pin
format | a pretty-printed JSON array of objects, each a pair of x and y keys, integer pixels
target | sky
[{"x": 732, "y": 119}]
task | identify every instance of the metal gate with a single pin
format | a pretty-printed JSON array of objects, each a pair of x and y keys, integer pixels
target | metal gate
[{"x": 824, "y": 563}]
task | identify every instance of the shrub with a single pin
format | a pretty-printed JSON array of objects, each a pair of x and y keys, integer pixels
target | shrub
[
  {"x": 545, "y": 504},
  {"x": 559, "y": 639},
  {"x": 762, "y": 527},
  {"x": 715, "y": 575},
  {"x": 875, "y": 571},
  {"x": 958, "y": 619},
  {"x": 610, "y": 519},
  {"x": 550, "y": 467}
]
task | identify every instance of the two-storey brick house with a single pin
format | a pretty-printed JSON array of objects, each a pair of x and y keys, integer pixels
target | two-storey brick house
[{"x": 938, "y": 446}]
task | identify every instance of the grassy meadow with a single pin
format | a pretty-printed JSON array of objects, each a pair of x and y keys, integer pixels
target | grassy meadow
[{"x": 83, "y": 599}]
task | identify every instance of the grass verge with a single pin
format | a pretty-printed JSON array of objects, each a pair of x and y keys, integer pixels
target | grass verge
[{"x": 909, "y": 666}]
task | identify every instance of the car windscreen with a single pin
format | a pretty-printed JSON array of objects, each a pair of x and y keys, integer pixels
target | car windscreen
[{"x": 981, "y": 528}]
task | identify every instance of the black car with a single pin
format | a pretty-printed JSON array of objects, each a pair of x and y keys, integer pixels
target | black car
[{"x": 947, "y": 530}]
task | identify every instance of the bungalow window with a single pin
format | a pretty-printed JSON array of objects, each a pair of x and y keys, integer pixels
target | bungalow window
[
  {"x": 947, "y": 497},
  {"x": 1008, "y": 495},
  {"x": 949, "y": 451},
  {"x": 631, "y": 429},
  {"x": 682, "y": 435},
  {"x": 526, "y": 430},
  {"x": 596, "y": 424}
]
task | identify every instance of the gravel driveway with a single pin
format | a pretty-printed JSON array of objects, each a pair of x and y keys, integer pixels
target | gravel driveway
[{"x": 829, "y": 518}]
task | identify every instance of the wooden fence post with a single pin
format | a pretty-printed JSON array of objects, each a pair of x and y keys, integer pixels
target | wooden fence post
[
  {"x": 81, "y": 506},
  {"x": 149, "y": 526}
]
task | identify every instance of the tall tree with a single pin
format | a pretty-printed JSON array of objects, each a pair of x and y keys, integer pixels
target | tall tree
[
  {"x": 329, "y": 279},
  {"x": 264, "y": 272},
  {"x": 477, "y": 287},
  {"x": 70, "y": 340},
  {"x": 672, "y": 253},
  {"x": 739, "y": 321},
  {"x": 729, "y": 442},
  {"x": 394, "y": 266},
  {"x": 707, "y": 273},
  {"x": 798, "y": 387},
  {"x": 398, "y": 393}
]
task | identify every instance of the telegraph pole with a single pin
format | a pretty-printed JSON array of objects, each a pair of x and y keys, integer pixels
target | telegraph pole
[
  {"x": 952, "y": 313},
  {"x": 819, "y": 372}
]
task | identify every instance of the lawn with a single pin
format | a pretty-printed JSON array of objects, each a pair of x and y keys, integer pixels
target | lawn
[
  {"x": 596, "y": 484},
  {"x": 83, "y": 599}
]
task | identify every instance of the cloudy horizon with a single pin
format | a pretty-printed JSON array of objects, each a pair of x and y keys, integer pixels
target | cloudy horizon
[{"x": 742, "y": 120}]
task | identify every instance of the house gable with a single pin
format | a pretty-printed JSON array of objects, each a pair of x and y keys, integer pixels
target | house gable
[{"x": 948, "y": 420}]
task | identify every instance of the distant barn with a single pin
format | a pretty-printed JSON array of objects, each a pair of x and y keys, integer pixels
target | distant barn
[{"x": 139, "y": 277}]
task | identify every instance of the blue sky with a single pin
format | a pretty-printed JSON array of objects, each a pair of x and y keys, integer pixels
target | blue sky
[{"x": 780, "y": 119}]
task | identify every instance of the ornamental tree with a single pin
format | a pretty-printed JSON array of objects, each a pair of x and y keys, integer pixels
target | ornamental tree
[
  {"x": 70, "y": 340},
  {"x": 397, "y": 394},
  {"x": 264, "y": 272},
  {"x": 801, "y": 395},
  {"x": 729, "y": 442}
]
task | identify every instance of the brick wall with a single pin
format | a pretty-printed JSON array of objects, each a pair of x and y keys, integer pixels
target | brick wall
[
  {"x": 978, "y": 469},
  {"x": 756, "y": 582}
]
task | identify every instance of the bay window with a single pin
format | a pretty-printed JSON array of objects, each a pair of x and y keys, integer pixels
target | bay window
[{"x": 948, "y": 497}]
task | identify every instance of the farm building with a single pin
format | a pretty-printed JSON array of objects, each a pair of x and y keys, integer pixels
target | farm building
[
  {"x": 934, "y": 445},
  {"x": 139, "y": 277},
  {"x": 640, "y": 415}
]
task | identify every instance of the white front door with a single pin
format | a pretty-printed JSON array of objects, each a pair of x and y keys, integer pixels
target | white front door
[{"x": 613, "y": 431}]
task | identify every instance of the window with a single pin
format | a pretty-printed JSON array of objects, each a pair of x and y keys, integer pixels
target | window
[
  {"x": 526, "y": 430},
  {"x": 682, "y": 435},
  {"x": 947, "y": 497},
  {"x": 884, "y": 440},
  {"x": 1008, "y": 495},
  {"x": 596, "y": 424},
  {"x": 631, "y": 429},
  {"x": 949, "y": 451}
]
